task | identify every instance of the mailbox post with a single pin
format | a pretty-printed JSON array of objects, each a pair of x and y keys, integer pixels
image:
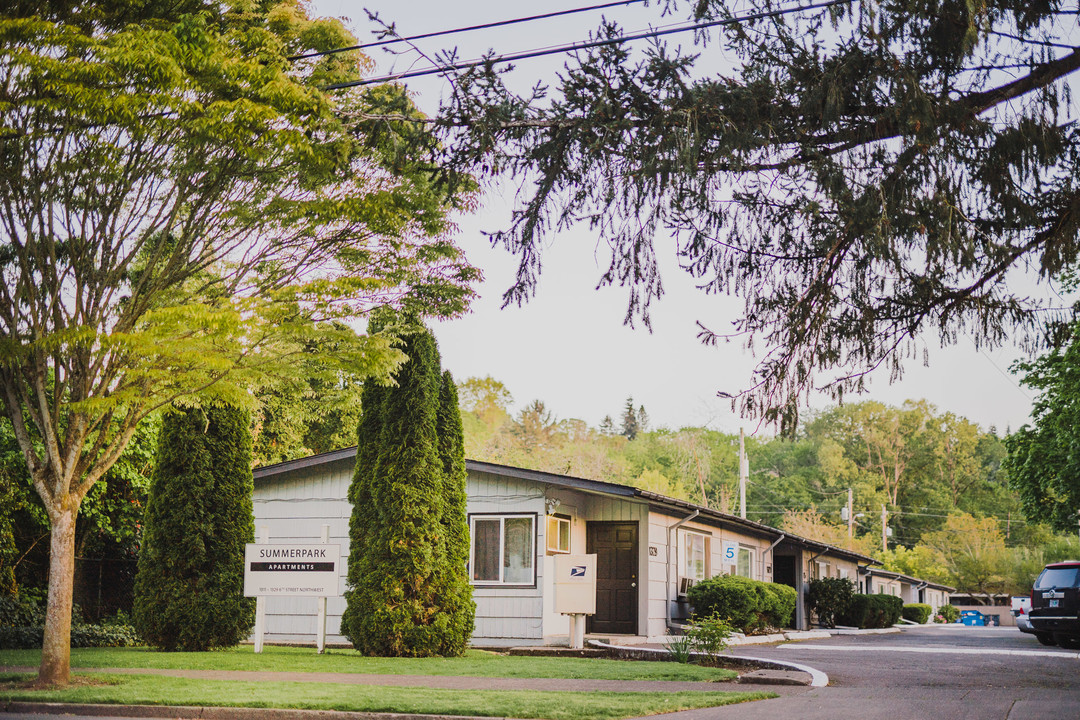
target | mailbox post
[{"x": 575, "y": 592}]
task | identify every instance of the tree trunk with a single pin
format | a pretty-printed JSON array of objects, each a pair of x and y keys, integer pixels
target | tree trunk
[{"x": 56, "y": 648}]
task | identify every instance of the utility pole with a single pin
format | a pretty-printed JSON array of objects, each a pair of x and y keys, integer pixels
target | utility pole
[
  {"x": 850, "y": 514},
  {"x": 884, "y": 536},
  {"x": 744, "y": 472}
]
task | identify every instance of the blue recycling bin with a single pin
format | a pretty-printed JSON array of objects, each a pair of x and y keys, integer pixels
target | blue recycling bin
[{"x": 972, "y": 618}]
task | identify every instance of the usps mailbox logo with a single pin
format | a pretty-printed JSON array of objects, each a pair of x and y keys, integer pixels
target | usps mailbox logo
[{"x": 577, "y": 571}]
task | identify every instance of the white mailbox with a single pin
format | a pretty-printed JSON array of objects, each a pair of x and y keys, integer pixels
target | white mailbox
[{"x": 575, "y": 584}]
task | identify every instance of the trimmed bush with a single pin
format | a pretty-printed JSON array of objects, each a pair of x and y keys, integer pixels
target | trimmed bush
[
  {"x": 747, "y": 605},
  {"x": 189, "y": 590},
  {"x": 872, "y": 611},
  {"x": 917, "y": 612},
  {"x": 781, "y": 607},
  {"x": 829, "y": 598},
  {"x": 948, "y": 614}
]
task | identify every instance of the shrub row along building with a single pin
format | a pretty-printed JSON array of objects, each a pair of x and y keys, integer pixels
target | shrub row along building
[{"x": 650, "y": 549}]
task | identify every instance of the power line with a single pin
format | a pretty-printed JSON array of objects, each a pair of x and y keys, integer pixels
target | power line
[
  {"x": 484, "y": 26},
  {"x": 584, "y": 45}
]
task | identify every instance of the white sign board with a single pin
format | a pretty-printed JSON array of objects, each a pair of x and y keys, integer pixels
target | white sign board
[
  {"x": 731, "y": 551},
  {"x": 309, "y": 570},
  {"x": 575, "y": 584}
]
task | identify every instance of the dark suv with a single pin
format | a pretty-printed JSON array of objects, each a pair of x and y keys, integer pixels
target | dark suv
[{"x": 1055, "y": 605}]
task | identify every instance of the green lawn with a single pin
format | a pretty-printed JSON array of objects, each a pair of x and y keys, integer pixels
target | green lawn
[
  {"x": 475, "y": 663},
  {"x": 156, "y": 690}
]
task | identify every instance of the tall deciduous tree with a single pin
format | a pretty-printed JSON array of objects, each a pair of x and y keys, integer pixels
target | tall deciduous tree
[
  {"x": 973, "y": 553},
  {"x": 408, "y": 594},
  {"x": 181, "y": 209},
  {"x": 1042, "y": 464},
  {"x": 863, "y": 173},
  {"x": 189, "y": 590}
]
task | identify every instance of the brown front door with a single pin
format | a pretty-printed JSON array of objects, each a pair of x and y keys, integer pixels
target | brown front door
[{"x": 615, "y": 545}]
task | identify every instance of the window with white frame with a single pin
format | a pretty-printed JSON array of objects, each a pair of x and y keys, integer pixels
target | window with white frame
[
  {"x": 558, "y": 534},
  {"x": 695, "y": 556},
  {"x": 503, "y": 548},
  {"x": 744, "y": 562}
]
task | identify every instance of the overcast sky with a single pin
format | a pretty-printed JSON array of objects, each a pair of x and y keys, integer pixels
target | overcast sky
[{"x": 568, "y": 346}]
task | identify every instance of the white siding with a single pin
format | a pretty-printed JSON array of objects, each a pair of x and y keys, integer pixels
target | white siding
[
  {"x": 509, "y": 616},
  {"x": 661, "y": 592},
  {"x": 294, "y": 507}
]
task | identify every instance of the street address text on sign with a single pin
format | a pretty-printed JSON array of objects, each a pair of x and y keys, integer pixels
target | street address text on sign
[{"x": 287, "y": 569}]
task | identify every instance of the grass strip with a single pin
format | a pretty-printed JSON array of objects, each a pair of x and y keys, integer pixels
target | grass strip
[
  {"x": 155, "y": 690},
  {"x": 475, "y": 663}
]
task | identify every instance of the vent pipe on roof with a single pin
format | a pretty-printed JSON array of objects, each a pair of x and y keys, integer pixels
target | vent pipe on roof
[{"x": 667, "y": 600}]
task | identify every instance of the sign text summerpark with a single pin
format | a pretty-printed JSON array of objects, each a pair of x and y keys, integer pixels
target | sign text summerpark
[{"x": 304, "y": 570}]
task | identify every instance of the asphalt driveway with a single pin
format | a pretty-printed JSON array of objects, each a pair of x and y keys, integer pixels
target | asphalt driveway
[{"x": 926, "y": 673}]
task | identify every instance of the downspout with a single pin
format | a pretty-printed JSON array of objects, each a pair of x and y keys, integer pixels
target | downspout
[
  {"x": 770, "y": 551},
  {"x": 667, "y": 600}
]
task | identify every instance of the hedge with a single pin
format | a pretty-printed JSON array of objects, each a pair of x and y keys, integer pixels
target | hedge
[
  {"x": 917, "y": 612},
  {"x": 872, "y": 611},
  {"x": 747, "y": 605},
  {"x": 22, "y": 618},
  {"x": 30, "y": 637},
  {"x": 829, "y": 598}
]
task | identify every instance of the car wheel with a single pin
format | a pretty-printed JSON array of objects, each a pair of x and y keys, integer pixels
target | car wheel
[
  {"x": 1068, "y": 642},
  {"x": 1045, "y": 638}
]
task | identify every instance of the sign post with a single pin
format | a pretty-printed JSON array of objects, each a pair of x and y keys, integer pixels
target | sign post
[
  {"x": 290, "y": 570},
  {"x": 320, "y": 629},
  {"x": 260, "y": 600}
]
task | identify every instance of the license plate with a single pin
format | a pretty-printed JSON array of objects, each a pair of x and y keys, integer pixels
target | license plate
[{"x": 1054, "y": 603}]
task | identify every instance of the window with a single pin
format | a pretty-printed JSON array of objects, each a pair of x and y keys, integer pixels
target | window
[
  {"x": 558, "y": 534},
  {"x": 695, "y": 553},
  {"x": 744, "y": 564},
  {"x": 502, "y": 549}
]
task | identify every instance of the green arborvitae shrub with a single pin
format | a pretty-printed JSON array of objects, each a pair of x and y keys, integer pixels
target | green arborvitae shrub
[
  {"x": 189, "y": 589},
  {"x": 872, "y": 611},
  {"x": 408, "y": 593},
  {"x": 454, "y": 593},
  {"x": 917, "y": 612},
  {"x": 747, "y": 605},
  {"x": 829, "y": 598},
  {"x": 365, "y": 513}
]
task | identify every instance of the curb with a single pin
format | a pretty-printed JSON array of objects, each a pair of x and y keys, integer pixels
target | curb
[
  {"x": 867, "y": 631},
  {"x": 189, "y": 712},
  {"x": 817, "y": 678}
]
